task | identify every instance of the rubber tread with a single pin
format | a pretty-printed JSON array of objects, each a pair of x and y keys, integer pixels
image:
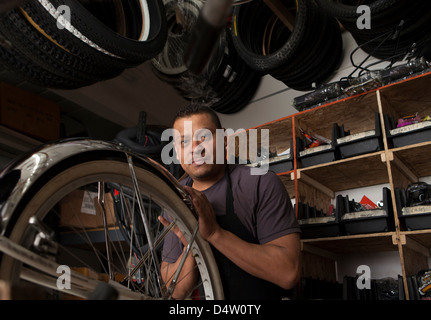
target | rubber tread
[
  {"x": 43, "y": 52},
  {"x": 129, "y": 49},
  {"x": 18, "y": 64},
  {"x": 72, "y": 44},
  {"x": 273, "y": 60}
]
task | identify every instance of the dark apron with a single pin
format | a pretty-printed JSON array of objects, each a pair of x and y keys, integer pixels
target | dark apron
[{"x": 238, "y": 284}]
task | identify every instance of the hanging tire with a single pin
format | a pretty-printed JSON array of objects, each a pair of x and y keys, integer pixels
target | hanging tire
[
  {"x": 85, "y": 48},
  {"x": 41, "y": 51},
  {"x": 320, "y": 60},
  {"x": 315, "y": 55},
  {"x": 109, "y": 41},
  {"x": 246, "y": 17},
  {"x": 20, "y": 66}
]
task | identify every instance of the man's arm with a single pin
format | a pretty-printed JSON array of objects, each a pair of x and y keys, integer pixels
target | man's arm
[
  {"x": 277, "y": 261},
  {"x": 188, "y": 276}
]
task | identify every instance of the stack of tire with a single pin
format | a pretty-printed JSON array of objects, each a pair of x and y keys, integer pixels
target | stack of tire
[
  {"x": 227, "y": 84},
  {"x": 147, "y": 140},
  {"x": 302, "y": 57},
  {"x": 69, "y": 44},
  {"x": 398, "y": 27}
]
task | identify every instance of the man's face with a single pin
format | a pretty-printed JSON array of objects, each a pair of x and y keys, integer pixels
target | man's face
[{"x": 195, "y": 143}]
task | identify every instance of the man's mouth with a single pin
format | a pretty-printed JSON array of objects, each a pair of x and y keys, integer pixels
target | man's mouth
[{"x": 198, "y": 161}]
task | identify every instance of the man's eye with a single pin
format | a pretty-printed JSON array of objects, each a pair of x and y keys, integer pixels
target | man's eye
[{"x": 206, "y": 136}]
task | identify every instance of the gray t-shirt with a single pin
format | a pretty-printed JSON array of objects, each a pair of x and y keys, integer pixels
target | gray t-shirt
[{"x": 261, "y": 203}]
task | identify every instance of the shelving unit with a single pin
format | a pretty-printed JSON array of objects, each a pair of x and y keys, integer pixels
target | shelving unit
[{"x": 318, "y": 184}]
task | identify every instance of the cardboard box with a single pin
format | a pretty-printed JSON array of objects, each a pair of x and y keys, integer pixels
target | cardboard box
[
  {"x": 29, "y": 113},
  {"x": 81, "y": 209}
]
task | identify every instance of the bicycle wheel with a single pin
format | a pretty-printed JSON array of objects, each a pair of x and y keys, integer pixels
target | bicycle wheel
[{"x": 121, "y": 244}]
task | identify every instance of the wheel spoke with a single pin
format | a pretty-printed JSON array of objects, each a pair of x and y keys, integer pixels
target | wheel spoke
[{"x": 122, "y": 244}]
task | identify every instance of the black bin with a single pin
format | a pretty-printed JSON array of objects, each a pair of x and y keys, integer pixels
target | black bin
[
  {"x": 417, "y": 217},
  {"x": 409, "y": 134},
  {"x": 316, "y": 224},
  {"x": 282, "y": 163},
  {"x": 317, "y": 155},
  {"x": 368, "y": 221},
  {"x": 351, "y": 145}
]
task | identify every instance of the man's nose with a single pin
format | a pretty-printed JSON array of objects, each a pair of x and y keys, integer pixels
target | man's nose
[{"x": 195, "y": 144}]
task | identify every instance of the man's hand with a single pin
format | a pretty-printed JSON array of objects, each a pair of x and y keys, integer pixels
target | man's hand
[
  {"x": 175, "y": 230},
  {"x": 208, "y": 225}
]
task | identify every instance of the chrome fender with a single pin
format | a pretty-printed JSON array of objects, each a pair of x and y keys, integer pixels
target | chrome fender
[{"x": 18, "y": 177}]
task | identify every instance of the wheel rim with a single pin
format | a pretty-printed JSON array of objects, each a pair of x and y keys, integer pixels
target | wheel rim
[{"x": 87, "y": 174}]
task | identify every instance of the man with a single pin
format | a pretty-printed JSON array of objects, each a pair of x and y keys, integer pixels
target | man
[{"x": 247, "y": 219}]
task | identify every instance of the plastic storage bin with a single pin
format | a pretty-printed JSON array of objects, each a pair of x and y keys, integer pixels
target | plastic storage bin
[
  {"x": 318, "y": 155},
  {"x": 368, "y": 221},
  {"x": 351, "y": 145},
  {"x": 283, "y": 163},
  {"x": 410, "y": 134},
  {"x": 414, "y": 217},
  {"x": 315, "y": 224}
]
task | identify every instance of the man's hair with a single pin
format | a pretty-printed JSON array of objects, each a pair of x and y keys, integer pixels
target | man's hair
[{"x": 195, "y": 108}]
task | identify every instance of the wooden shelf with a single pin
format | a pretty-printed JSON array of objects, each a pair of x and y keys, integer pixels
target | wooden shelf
[
  {"x": 423, "y": 237},
  {"x": 280, "y": 137},
  {"x": 362, "y": 243},
  {"x": 416, "y": 158},
  {"x": 355, "y": 113},
  {"x": 364, "y": 170},
  {"x": 408, "y": 97}
]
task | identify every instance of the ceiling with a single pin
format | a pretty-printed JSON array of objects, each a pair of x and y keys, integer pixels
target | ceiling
[
  {"x": 121, "y": 99},
  {"x": 102, "y": 109}
]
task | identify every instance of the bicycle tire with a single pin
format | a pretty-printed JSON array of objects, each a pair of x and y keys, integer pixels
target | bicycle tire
[
  {"x": 42, "y": 52},
  {"x": 81, "y": 162},
  {"x": 271, "y": 61},
  {"x": 316, "y": 71},
  {"x": 88, "y": 37},
  {"x": 152, "y": 149},
  {"x": 18, "y": 64},
  {"x": 99, "y": 59},
  {"x": 126, "y": 48}
]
